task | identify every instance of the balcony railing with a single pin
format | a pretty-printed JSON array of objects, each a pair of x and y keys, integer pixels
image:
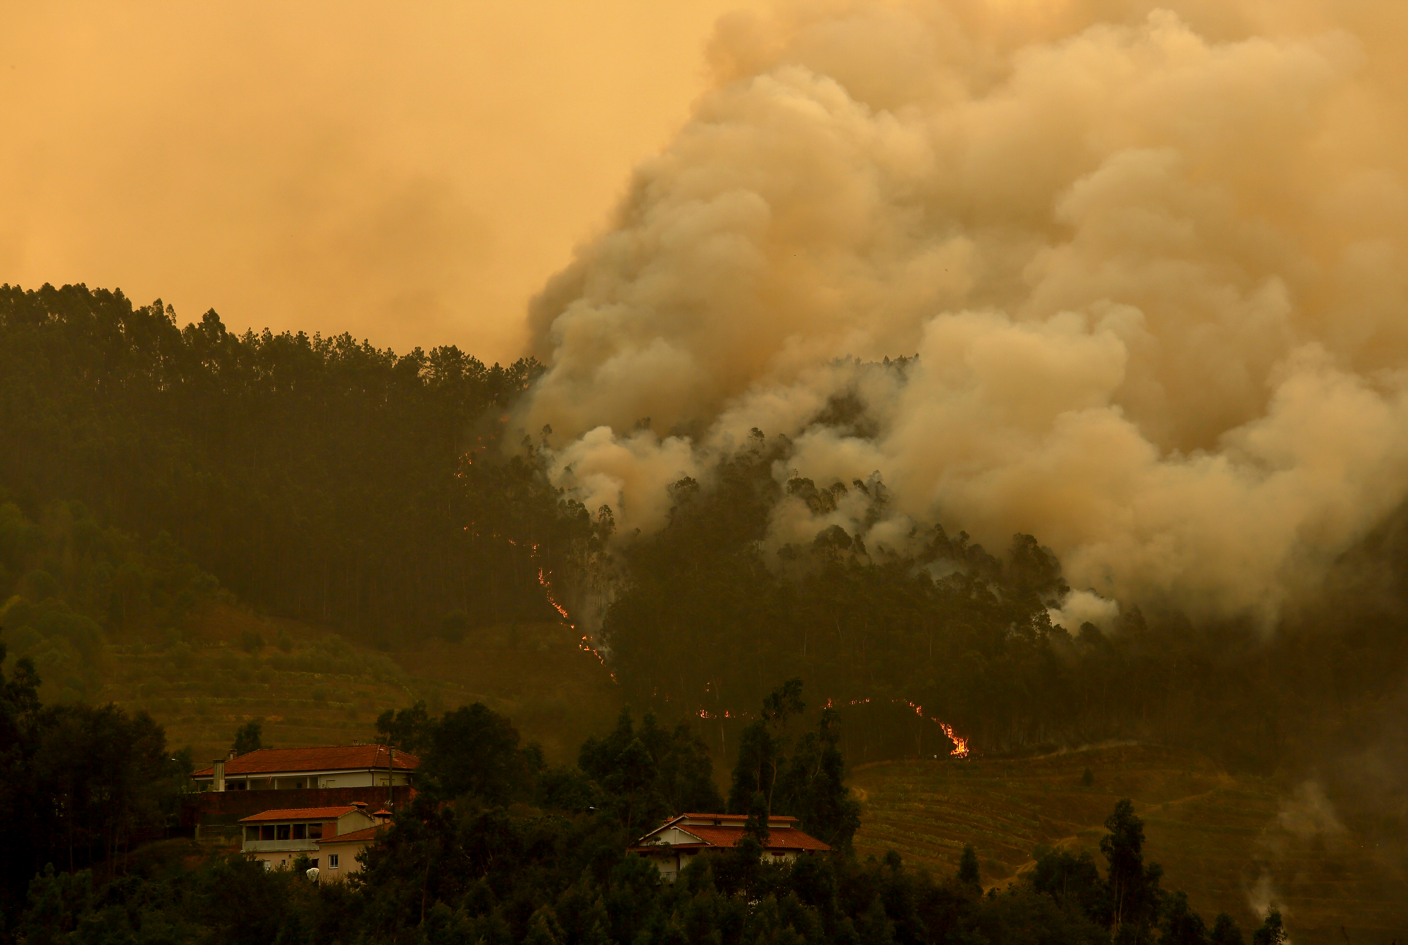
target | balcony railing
[{"x": 279, "y": 846}]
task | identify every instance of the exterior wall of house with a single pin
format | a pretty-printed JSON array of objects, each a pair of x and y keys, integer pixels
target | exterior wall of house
[
  {"x": 347, "y": 862},
  {"x": 353, "y": 820},
  {"x": 670, "y": 862},
  {"x": 284, "y": 859},
  {"x": 675, "y": 835}
]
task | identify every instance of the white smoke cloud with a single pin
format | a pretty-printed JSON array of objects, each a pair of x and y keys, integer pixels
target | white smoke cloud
[
  {"x": 1082, "y": 607},
  {"x": 1152, "y": 262},
  {"x": 1306, "y": 827}
]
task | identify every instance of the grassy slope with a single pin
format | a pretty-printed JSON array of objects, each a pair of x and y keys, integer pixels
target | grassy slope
[
  {"x": 319, "y": 689},
  {"x": 1217, "y": 836}
]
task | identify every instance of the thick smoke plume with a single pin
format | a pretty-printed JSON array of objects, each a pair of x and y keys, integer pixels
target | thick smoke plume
[{"x": 1151, "y": 260}]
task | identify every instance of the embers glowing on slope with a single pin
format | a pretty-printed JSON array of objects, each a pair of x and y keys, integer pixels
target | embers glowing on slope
[
  {"x": 706, "y": 714},
  {"x": 960, "y": 745},
  {"x": 542, "y": 579},
  {"x": 585, "y": 644}
]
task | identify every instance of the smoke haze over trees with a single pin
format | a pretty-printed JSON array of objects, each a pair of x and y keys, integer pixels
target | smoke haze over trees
[{"x": 1148, "y": 256}]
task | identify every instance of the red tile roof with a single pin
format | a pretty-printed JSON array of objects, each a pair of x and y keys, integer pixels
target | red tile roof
[
  {"x": 301, "y": 813},
  {"x": 366, "y": 833},
  {"x": 779, "y": 838},
  {"x": 727, "y": 835},
  {"x": 268, "y": 761}
]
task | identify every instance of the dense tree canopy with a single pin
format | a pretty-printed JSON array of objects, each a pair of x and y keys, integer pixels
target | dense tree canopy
[
  {"x": 317, "y": 477},
  {"x": 80, "y": 782},
  {"x": 708, "y": 615}
]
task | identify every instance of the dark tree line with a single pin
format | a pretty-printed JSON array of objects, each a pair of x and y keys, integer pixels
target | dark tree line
[
  {"x": 81, "y": 784},
  {"x": 317, "y": 477}
]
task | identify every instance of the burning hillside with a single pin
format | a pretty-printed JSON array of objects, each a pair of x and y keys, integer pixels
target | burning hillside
[{"x": 1149, "y": 261}]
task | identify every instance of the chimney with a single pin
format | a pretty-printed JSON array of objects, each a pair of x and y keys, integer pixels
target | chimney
[{"x": 220, "y": 775}]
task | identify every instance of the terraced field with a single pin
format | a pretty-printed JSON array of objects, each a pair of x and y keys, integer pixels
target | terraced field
[
  {"x": 1229, "y": 842},
  {"x": 312, "y": 687},
  {"x": 555, "y": 693}
]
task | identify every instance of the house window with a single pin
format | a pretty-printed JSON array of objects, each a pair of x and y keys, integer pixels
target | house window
[
  {"x": 314, "y": 861},
  {"x": 332, "y": 861},
  {"x": 268, "y": 865},
  {"x": 300, "y": 831},
  {"x": 281, "y": 831},
  {"x": 266, "y": 832},
  {"x": 251, "y": 833},
  {"x": 315, "y": 831}
]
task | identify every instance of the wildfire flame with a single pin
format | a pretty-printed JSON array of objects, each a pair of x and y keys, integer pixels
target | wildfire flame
[
  {"x": 542, "y": 579},
  {"x": 960, "y": 745},
  {"x": 545, "y": 581},
  {"x": 960, "y": 748}
]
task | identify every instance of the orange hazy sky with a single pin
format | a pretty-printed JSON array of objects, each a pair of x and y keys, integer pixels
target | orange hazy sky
[{"x": 410, "y": 173}]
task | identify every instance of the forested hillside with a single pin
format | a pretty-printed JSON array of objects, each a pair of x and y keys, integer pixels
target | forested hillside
[
  {"x": 150, "y": 467},
  {"x": 318, "y": 478},
  {"x": 67, "y": 582},
  {"x": 956, "y": 633}
]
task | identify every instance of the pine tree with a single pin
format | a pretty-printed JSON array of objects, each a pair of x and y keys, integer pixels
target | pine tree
[
  {"x": 249, "y": 737},
  {"x": 1134, "y": 888},
  {"x": 1272, "y": 931},
  {"x": 1225, "y": 931},
  {"x": 1181, "y": 925},
  {"x": 968, "y": 873}
]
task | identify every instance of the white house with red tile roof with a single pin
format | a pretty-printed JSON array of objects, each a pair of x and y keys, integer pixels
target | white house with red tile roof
[
  {"x": 676, "y": 842},
  {"x": 330, "y": 766},
  {"x": 277, "y": 838}
]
